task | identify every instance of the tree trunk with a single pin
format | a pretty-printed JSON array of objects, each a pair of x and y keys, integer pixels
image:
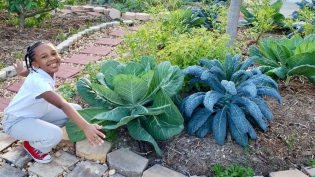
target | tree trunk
[
  {"x": 232, "y": 23},
  {"x": 22, "y": 20}
]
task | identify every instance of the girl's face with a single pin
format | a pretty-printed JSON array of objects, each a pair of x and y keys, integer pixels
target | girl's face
[{"x": 47, "y": 58}]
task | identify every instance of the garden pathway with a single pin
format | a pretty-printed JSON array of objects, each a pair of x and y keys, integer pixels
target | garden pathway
[{"x": 80, "y": 159}]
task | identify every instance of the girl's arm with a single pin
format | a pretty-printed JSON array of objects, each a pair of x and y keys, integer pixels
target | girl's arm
[
  {"x": 91, "y": 131},
  {"x": 20, "y": 69}
]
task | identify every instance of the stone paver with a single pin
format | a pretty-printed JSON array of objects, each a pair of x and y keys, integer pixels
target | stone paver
[
  {"x": 82, "y": 59},
  {"x": 160, "y": 171},
  {"x": 129, "y": 16},
  {"x": 114, "y": 14},
  {"x": 310, "y": 171},
  {"x": 4, "y": 103},
  {"x": 288, "y": 173},
  {"x": 66, "y": 71},
  {"x": 109, "y": 41},
  {"x": 86, "y": 150},
  {"x": 97, "y": 50},
  {"x": 9, "y": 171},
  {"x": 54, "y": 168},
  {"x": 16, "y": 86},
  {"x": 118, "y": 33},
  {"x": 99, "y": 10},
  {"x": 10, "y": 71},
  {"x": 18, "y": 156},
  {"x": 142, "y": 16},
  {"x": 96, "y": 14},
  {"x": 126, "y": 162},
  {"x": 76, "y": 8},
  {"x": 66, "y": 11},
  {"x": 89, "y": 8},
  {"x": 5, "y": 140},
  {"x": 88, "y": 169}
]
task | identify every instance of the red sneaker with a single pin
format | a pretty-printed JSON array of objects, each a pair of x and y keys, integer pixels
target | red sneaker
[{"x": 37, "y": 155}]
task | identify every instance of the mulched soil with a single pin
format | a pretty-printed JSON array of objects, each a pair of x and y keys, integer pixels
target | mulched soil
[{"x": 288, "y": 143}]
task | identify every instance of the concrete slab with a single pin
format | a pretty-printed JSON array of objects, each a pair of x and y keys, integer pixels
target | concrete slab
[
  {"x": 18, "y": 156},
  {"x": 127, "y": 163},
  {"x": 288, "y": 173},
  {"x": 88, "y": 168},
  {"x": 5, "y": 140},
  {"x": 160, "y": 171},
  {"x": 86, "y": 150},
  {"x": 9, "y": 171}
]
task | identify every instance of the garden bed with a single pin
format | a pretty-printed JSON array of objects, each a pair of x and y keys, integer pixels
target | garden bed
[{"x": 287, "y": 143}]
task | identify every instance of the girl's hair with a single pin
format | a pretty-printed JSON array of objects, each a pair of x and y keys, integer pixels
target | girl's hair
[{"x": 29, "y": 56}]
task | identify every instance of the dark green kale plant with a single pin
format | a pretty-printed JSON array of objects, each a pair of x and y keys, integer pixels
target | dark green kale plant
[{"x": 235, "y": 102}]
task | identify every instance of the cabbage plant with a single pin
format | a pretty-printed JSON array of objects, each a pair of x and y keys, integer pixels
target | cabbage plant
[
  {"x": 234, "y": 102},
  {"x": 283, "y": 58},
  {"x": 137, "y": 95}
]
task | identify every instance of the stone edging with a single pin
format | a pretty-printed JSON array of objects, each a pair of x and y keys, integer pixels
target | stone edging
[{"x": 9, "y": 71}]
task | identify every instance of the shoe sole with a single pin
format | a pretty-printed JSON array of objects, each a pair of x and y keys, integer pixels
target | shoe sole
[{"x": 39, "y": 161}]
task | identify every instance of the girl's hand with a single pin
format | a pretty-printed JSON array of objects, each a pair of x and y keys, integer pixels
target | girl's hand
[
  {"x": 18, "y": 65},
  {"x": 94, "y": 136}
]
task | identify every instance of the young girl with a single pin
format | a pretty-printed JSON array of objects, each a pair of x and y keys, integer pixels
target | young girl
[{"x": 37, "y": 112}]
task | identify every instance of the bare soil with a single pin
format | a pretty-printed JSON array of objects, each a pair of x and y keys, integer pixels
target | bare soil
[{"x": 288, "y": 143}]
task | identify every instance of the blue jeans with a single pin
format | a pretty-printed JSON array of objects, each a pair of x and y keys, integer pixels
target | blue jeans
[{"x": 43, "y": 133}]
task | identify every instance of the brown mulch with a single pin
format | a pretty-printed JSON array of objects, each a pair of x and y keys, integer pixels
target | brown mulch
[{"x": 288, "y": 143}]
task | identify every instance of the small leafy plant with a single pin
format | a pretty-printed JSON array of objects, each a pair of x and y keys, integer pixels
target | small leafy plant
[
  {"x": 232, "y": 171},
  {"x": 311, "y": 162},
  {"x": 283, "y": 58},
  {"x": 234, "y": 102},
  {"x": 263, "y": 16},
  {"x": 137, "y": 95},
  {"x": 66, "y": 91}
]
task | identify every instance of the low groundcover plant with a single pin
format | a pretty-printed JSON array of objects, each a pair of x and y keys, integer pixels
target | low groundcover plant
[
  {"x": 137, "y": 95},
  {"x": 234, "y": 102}
]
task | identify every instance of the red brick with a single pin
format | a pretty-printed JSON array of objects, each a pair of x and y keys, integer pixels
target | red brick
[
  {"x": 94, "y": 14},
  {"x": 4, "y": 103},
  {"x": 109, "y": 41},
  {"x": 66, "y": 71},
  {"x": 16, "y": 86},
  {"x": 82, "y": 59},
  {"x": 118, "y": 33},
  {"x": 97, "y": 50}
]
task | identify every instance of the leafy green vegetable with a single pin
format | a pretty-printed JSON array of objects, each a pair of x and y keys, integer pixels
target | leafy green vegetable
[
  {"x": 283, "y": 58},
  {"x": 137, "y": 95},
  {"x": 234, "y": 103}
]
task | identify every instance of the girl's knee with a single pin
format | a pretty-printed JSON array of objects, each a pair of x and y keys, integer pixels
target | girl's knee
[{"x": 76, "y": 106}]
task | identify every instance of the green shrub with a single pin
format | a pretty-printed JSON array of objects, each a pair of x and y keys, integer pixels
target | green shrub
[
  {"x": 263, "y": 15},
  {"x": 283, "y": 58},
  {"x": 311, "y": 162},
  {"x": 232, "y": 171},
  {"x": 137, "y": 95},
  {"x": 234, "y": 103},
  {"x": 186, "y": 49},
  {"x": 67, "y": 91}
]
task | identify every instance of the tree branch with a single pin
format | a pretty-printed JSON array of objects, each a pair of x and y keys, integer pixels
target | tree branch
[{"x": 41, "y": 11}]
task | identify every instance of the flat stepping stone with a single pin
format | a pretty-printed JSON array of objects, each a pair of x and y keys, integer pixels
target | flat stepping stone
[
  {"x": 126, "y": 162},
  {"x": 5, "y": 140},
  {"x": 4, "y": 103},
  {"x": 18, "y": 156},
  {"x": 81, "y": 59},
  {"x": 160, "y": 171},
  {"x": 96, "y": 14},
  {"x": 288, "y": 173},
  {"x": 97, "y": 50},
  {"x": 85, "y": 150},
  {"x": 56, "y": 167},
  {"x": 118, "y": 33},
  {"x": 66, "y": 71},
  {"x": 9, "y": 171},
  {"x": 88, "y": 168},
  {"x": 310, "y": 170},
  {"x": 80, "y": 11},
  {"x": 16, "y": 86},
  {"x": 109, "y": 41}
]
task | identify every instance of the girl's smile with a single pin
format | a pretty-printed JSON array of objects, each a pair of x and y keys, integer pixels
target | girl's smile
[{"x": 47, "y": 58}]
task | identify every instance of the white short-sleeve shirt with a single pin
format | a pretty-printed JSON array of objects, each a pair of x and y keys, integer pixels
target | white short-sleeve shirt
[{"x": 27, "y": 102}]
